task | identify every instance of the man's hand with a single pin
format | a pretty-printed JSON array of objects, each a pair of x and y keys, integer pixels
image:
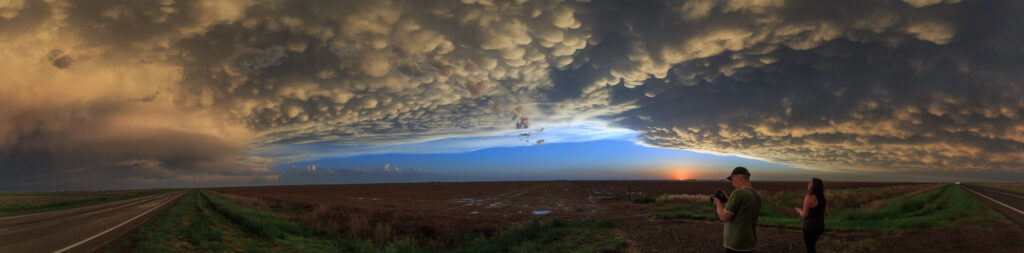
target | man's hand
[{"x": 722, "y": 214}]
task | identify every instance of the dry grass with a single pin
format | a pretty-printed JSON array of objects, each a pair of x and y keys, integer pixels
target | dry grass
[
  {"x": 873, "y": 205},
  {"x": 683, "y": 198},
  {"x": 377, "y": 225},
  {"x": 866, "y": 198},
  {"x": 873, "y": 198}
]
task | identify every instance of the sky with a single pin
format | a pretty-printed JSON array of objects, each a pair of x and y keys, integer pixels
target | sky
[{"x": 112, "y": 94}]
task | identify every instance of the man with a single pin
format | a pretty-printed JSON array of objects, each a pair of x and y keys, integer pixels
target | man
[{"x": 740, "y": 213}]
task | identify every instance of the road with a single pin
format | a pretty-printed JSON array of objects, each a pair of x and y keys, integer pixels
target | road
[
  {"x": 1008, "y": 203},
  {"x": 81, "y": 229}
]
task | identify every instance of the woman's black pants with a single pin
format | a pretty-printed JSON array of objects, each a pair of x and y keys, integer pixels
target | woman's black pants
[{"x": 811, "y": 236}]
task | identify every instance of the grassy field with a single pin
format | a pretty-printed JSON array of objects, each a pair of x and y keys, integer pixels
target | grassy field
[
  {"x": 204, "y": 222},
  {"x": 22, "y": 203},
  {"x": 1008, "y": 187},
  {"x": 893, "y": 209}
]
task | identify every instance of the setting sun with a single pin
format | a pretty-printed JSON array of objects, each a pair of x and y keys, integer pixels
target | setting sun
[{"x": 680, "y": 174}]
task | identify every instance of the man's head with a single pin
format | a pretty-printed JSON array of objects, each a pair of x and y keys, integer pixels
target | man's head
[{"x": 740, "y": 176}]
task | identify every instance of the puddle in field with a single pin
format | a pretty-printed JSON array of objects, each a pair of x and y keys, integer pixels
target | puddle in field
[
  {"x": 541, "y": 212},
  {"x": 467, "y": 201}
]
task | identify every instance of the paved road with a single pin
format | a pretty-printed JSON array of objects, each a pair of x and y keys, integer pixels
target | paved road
[
  {"x": 81, "y": 229},
  {"x": 1008, "y": 203}
]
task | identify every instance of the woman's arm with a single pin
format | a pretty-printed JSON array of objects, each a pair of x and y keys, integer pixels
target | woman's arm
[{"x": 807, "y": 206}]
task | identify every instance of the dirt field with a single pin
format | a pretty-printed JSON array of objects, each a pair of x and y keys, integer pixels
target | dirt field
[{"x": 444, "y": 211}]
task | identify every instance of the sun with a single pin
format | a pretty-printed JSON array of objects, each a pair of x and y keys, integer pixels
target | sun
[{"x": 680, "y": 175}]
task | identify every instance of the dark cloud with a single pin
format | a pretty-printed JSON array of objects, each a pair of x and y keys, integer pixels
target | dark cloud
[
  {"x": 941, "y": 102},
  {"x": 77, "y": 144},
  {"x": 893, "y": 85},
  {"x": 59, "y": 59}
]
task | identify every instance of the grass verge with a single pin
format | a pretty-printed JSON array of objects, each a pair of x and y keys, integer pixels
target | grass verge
[
  {"x": 203, "y": 222},
  {"x": 200, "y": 222},
  {"x": 939, "y": 207},
  {"x": 16, "y": 204}
]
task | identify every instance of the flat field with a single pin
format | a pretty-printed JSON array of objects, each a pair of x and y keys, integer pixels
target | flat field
[
  {"x": 12, "y": 204},
  {"x": 650, "y": 216}
]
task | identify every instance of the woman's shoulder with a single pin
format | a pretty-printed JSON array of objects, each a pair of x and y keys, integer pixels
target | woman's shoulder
[{"x": 811, "y": 197}]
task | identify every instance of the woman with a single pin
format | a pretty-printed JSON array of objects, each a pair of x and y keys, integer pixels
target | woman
[{"x": 813, "y": 213}]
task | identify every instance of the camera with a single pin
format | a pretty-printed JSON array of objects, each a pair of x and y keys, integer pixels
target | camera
[{"x": 720, "y": 195}]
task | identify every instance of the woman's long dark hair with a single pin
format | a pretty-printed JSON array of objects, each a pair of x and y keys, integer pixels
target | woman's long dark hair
[{"x": 818, "y": 189}]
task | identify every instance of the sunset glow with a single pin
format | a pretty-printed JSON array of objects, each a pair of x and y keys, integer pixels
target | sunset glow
[{"x": 681, "y": 174}]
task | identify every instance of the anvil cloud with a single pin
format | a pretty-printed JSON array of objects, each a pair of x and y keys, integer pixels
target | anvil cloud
[{"x": 181, "y": 92}]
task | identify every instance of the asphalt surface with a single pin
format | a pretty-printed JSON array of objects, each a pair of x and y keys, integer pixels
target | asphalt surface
[
  {"x": 1008, "y": 203},
  {"x": 81, "y": 229}
]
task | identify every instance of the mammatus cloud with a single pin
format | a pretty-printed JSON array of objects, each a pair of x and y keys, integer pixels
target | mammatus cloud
[
  {"x": 893, "y": 85},
  {"x": 914, "y": 94}
]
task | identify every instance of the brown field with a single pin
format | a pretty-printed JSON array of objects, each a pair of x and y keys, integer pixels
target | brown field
[{"x": 439, "y": 213}]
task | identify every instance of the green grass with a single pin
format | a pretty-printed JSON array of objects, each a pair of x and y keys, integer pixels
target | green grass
[
  {"x": 64, "y": 201},
  {"x": 940, "y": 207},
  {"x": 290, "y": 235},
  {"x": 204, "y": 222},
  {"x": 186, "y": 226}
]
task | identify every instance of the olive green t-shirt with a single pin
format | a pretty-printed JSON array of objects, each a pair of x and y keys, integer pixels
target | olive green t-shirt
[{"x": 741, "y": 231}]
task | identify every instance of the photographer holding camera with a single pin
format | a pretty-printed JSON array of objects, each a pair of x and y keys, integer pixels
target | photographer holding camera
[{"x": 740, "y": 212}]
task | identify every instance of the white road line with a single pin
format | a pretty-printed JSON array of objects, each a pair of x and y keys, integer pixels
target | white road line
[
  {"x": 1004, "y": 193},
  {"x": 993, "y": 200},
  {"x": 129, "y": 203},
  {"x": 1012, "y": 195},
  {"x": 112, "y": 229},
  {"x": 34, "y": 214},
  {"x": 19, "y": 216}
]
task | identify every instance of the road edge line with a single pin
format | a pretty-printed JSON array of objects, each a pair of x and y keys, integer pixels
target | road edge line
[
  {"x": 39, "y": 213},
  {"x": 115, "y": 227},
  {"x": 993, "y": 200}
]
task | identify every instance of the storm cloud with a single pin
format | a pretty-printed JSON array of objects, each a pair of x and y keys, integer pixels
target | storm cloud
[{"x": 184, "y": 90}]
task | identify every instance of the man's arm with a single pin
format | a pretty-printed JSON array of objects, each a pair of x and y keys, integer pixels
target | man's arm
[{"x": 723, "y": 215}]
